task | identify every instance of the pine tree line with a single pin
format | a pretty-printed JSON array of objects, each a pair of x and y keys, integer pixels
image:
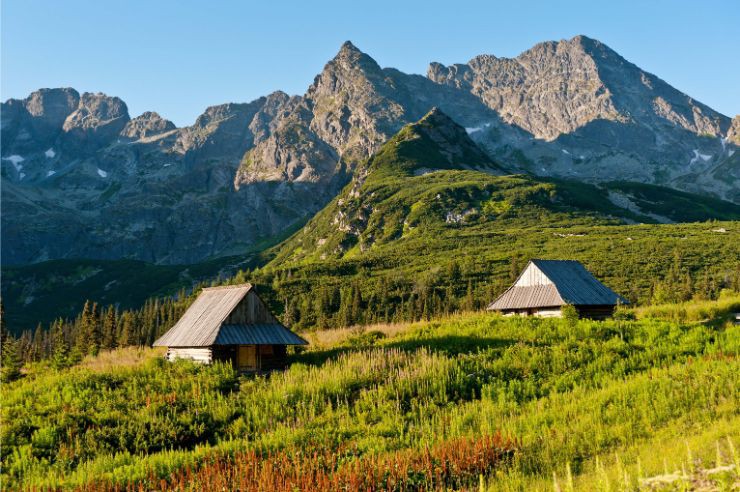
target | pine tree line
[
  {"x": 307, "y": 299},
  {"x": 66, "y": 342}
]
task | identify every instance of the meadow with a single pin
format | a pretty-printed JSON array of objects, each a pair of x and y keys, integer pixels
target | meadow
[{"x": 467, "y": 401}]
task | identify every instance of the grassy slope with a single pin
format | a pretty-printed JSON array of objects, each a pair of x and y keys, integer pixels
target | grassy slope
[
  {"x": 568, "y": 392},
  {"x": 420, "y": 183},
  {"x": 393, "y": 234}
]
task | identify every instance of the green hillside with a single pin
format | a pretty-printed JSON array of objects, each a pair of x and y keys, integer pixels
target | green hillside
[
  {"x": 469, "y": 401},
  {"x": 420, "y": 233},
  {"x": 431, "y": 178}
]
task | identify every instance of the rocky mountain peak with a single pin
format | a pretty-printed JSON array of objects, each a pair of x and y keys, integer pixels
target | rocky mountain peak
[
  {"x": 432, "y": 143},
  {"x": 54, "y": 105},
  {"x": 348, "y": 49},
  {"x": 733, "y": 134},
  {"x": 97, "y": 120},
  {"x": 352, "y": 55},
  {"x": 437, "y": 117},
  {"x": 222, "y": 130},
  {"x": 147, "y": 124},
  {"x": 37, "y": 120},
  {"x": 242, "y": 172},
  {"x": 349, "y": 63}
]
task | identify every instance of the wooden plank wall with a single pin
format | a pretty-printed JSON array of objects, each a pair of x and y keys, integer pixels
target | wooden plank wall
[
  {"x": 533, "y": 276},
  {"x": 202, "y": 355},
  {"x": 542, "y": 312},
  {"x": 251, "y": 310}
]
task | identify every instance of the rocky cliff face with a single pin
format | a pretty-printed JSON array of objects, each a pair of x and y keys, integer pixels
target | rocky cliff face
[
  {"x": 593, "y": 115},
  {"x": 733, "y": 135},
  {"x": 556, "y": 88},
  {"x": 147, "y": 125},
  {"x": 83, "y": 179}
]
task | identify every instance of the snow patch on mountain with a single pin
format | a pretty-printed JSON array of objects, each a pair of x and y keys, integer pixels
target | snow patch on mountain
[
  {"x": 474, "y": 129},
  {"x": 697, "y": 156},
  {"x": 16, "y": 161}
]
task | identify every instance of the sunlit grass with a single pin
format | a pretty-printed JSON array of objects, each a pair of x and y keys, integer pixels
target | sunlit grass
[{"x": 562, "y": 393}]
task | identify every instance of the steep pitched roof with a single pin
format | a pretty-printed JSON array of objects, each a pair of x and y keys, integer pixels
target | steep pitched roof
[
  {"x": 202, "y": 324},
  {"x": 565, "y": 282}
]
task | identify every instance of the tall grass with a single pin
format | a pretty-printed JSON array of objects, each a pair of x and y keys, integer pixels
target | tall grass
[
  {"x": 722, "y": 309},
  {"x": 381, "y": 407}
]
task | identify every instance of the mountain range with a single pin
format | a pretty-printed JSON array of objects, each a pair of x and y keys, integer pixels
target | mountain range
[
  {"x": 426, "y": 198},
  {"x": 82, "y": 179},
  {"x": 431, "y": 179}
]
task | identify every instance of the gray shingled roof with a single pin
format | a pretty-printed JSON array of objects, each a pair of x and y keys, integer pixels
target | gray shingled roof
[
  {"x": 202, "y": 323},
  {"x": 572, "y": 284},
  {"x": 257, "y": 335}
]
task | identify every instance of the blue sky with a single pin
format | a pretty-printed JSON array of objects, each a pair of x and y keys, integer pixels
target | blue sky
[{"x": 178, "y": 57}]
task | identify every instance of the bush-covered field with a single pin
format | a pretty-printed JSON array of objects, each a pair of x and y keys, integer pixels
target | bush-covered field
[{"x": 468, "y": 401}]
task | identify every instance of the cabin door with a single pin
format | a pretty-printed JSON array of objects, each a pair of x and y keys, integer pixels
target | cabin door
[{"x": 246, "y": 358}]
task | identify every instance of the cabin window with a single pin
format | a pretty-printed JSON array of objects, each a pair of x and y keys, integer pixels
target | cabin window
[{"x": 266, "y": 350}]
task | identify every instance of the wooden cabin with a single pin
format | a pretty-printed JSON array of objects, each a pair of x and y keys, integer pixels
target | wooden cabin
[
  {"x": 545, "y": 286},
  {"x": 230, "y": 323}
]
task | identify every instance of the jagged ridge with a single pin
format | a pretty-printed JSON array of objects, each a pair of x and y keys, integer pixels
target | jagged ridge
[{"x": 83, "y": 179}]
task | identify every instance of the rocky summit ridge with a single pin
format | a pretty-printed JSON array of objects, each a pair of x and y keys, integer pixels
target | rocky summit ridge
[{"x": 82, "y": 179}]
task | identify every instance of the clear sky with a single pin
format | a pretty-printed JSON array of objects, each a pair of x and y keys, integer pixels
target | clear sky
[{"x": 178, "y": 57}]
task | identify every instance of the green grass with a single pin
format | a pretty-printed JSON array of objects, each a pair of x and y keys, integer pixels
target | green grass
[
  {"x": 566, "y": 392},
  {"x": 396, "y": 246}
]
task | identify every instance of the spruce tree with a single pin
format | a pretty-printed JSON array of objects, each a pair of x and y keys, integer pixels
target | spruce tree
[
  {"x": 38, "y": 348},
  {"x": 470, "y": 297},
  {"x": 95, "y": 337},
  {"x": 110, "y": 329},
  {"x": 11, "y": 360},
  {"x": 60, "y": 356},
  {"x": 82, "y": 333},
  {"x": 3, "y": 327},
  {"x": 127, "y": 330}
]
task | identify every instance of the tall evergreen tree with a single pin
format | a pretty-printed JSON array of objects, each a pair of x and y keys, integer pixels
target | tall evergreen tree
[
  {"x": 128, "y": 335},
  {"x": 10, "y": 361},
  {"x": 110, "y": 329},
  {"x": 60, "y": 357},
  {"x": 95, "y": 338},
  {"x": 82, "y": 333},
  {"x": 3, "y": 326}
]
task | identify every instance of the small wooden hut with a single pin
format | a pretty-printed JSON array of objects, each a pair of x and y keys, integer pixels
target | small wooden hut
[
  {"x": 545, "y": 286},
  {"x": 230, "y": 323}
]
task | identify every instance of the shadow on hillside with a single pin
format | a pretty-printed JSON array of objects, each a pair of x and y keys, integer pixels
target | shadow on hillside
[{"x": 448, "y": 345}]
